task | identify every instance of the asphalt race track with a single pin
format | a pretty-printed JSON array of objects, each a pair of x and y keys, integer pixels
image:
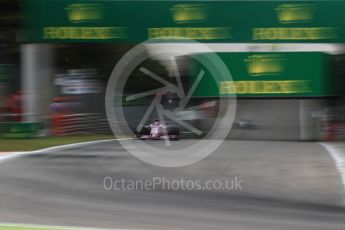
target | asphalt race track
[{"x": 284, "y": 185}]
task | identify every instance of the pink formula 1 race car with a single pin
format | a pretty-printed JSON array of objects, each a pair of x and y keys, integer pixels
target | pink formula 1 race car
[{"x": 158, "y": 131}]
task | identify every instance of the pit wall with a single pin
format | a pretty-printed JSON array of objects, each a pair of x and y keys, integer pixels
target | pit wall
[{"x": 278, "y": 119}]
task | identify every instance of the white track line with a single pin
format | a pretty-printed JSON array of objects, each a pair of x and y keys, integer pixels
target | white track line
[
  {"x": 337, "y": 152},
  {"x": 11, "y": 155},
  {"x": 2, "y": 224}
]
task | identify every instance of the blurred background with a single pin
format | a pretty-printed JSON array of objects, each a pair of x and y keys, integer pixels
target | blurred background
[{"x": 286, "y": 61}]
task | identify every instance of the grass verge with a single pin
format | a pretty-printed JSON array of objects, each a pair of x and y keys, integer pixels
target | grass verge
[
  {"x": 8, "y": 145},
  {"x": 9, "y": 227}
]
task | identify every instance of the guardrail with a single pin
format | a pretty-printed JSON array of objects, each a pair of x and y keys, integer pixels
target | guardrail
[
  {"x": 69, "y": 124},
  {"x": 12, "y": 125}
]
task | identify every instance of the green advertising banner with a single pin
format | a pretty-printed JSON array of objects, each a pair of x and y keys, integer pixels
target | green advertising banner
[
  {"x": 19, "y": 129},
  {"x": 268, "y": 74},
  {"x": 207, "y": 21}
]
